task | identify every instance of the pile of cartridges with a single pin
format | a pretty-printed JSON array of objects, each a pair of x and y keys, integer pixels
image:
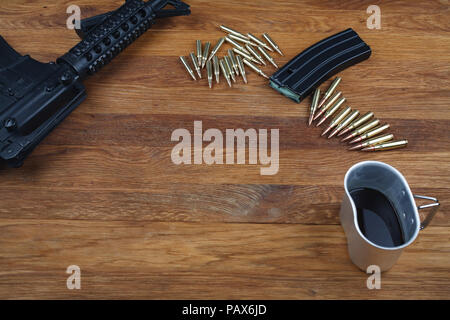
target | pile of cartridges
[
  {"x": 364, "y": 133},
  {"x": 246, "y": 50}
]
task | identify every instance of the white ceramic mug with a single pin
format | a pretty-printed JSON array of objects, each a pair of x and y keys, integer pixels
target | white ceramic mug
[{"x": 391, "y": 183}]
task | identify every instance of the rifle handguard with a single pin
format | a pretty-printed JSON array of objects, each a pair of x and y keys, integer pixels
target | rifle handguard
[{"x": 110, "y": 38}]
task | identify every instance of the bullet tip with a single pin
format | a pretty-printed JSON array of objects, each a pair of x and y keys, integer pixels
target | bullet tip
[
  {"x": 317, "y": 116},
  {"x": 333, "y": 134},
  {"x": 321, "y": 102},
  {"x": 347, "y": 138},
  {"x": 355, "y": 140},
  {"x": 321, "y": 121},
  {"x": 355, "y": 148},
  {"x": 326, "y": 131}
]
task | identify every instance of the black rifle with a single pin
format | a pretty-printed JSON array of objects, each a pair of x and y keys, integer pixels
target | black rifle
[{"x": 35, "y": 97}]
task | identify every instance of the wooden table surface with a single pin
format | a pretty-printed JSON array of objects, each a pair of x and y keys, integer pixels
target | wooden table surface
[{"x": 101, "y": 191}]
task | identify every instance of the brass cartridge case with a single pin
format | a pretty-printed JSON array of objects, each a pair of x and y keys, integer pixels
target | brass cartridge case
[
  {"x": 216, "y": 68},
  {"x": 337, "y": 119},
  {"x": 198, "y": 44},
  {"x": 362, "y": 129},
  {"x": 216, "y": 48},
  {"x": 330, "y": 91},
  {"x": 229, "y": 65},
  {"x": 327, "y": 105},
  {"x": 267, "y": 56},
  {"x": 225, "y": 71},
  {"x": 371, "y": 133},
  {"x": 234, "y": 32},
  {"x": 205, "y": 53},
  {"x": 373, "y": 141},
  {"x": 209, "y": 73},
  {"x": 259, "y": 42},
  {"x": 233, "y": 61},
  {"x": 236, "y": 44},
  {"x": 196, "y": 66},
  {"x": 272, "y": 43},
  {"x": 358, "y": 122},
  {"x": 387, "y": 146},
  {"x": 255, "y": 54},
  {"x": 314, "y": 103},
  {"x": 241, "y": 68},
  {"x": 245, "y": 41},
  {"x": 188, "y": 68},
  {"x": 246, "y": 55},
  {"x": 331, "y": 111},
  {"x": 255, "y": 68},
  {"x": 352, "y": 116}
]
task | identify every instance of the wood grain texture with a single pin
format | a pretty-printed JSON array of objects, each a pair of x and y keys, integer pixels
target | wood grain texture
[{"x": 101, "y": 191}]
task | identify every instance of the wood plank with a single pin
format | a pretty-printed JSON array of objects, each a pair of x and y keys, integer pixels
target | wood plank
[
  {"x": 318, "y": 205},
  {"x": 204, "y": 260}
]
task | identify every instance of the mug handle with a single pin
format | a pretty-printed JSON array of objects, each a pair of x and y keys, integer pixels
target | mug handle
[{"x": 434, "y": 206}]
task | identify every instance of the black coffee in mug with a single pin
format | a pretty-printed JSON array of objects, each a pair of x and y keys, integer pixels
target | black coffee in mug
[{"x": 377, "y": 218}]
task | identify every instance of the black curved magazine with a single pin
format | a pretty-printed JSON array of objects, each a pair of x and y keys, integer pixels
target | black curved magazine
[{"x": 300, "y": 76}]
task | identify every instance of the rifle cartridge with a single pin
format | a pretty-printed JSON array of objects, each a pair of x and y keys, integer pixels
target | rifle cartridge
[
  {"x": 225, "y": 71},
  {"x": 344, "y": 123},
  {"x": 236, "y": 45},
  {"x": 331, "y": 111},
  {"x": 199, "y": 52},
  {"x": 255, "y": 54},
  {"x": 337, "y": 119},
  {"x": 362, "y": 129},
  {"x": 370, "y": 133},
  {"x": 205, "y": 53},
  {"x": 209, "y": 73},
  {"x": 256, "y": 69},
  {"x": 196, "y": 66},
  {"x": 246, "y": 56},
  {"x": 272, "y": 43},
  {"x": 245, "y": 41},
  {"x": 241, "y": 68},
  {"x": 229, "y": 65},
  {"x": 216, "y": 68},
  {"x": 360, "y": 121},
  {"x": 330, "y": 91},
  {"x": 259, "y": 42},
  {"x": 387, "y": 146},
  {"x": 188, "y": 68},
  {"x": 267, "y": 56},
  {"x": 372, "y": 142},
  {"x": 234, "y": 32},
  {"x": 315, "y": 101},
  {"x": 216, "y": 48},
  {"x": 233, "y": 61},
  {"x": 327, "y": 105}
]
